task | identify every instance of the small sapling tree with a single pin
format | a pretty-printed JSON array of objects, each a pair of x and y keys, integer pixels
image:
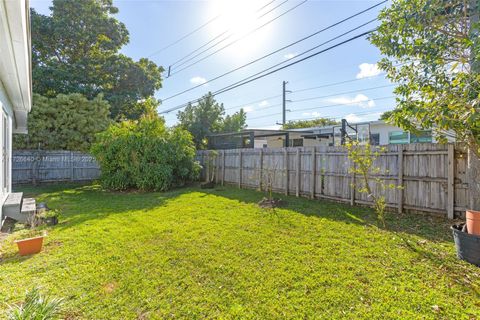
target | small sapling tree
[{"x": 363, "y": 158}]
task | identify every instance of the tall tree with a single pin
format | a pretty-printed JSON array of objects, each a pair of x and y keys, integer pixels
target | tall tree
[
  {"x": 207, "y": 117},
  {"x": 432, "y": 52},
  {"x": 76, "y": 50},
  {"x": 66, "y": 122},
  {"x": 320, "y": 122},
  {"x": 235, "y": 122}
]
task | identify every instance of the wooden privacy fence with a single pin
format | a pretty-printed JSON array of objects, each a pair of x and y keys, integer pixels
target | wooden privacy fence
[
  {"x": 432, "y": 176},
  {"x": 37, "y": 166}
]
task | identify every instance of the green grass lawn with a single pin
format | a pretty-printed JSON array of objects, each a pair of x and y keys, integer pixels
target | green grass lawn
[{"x": 195, "y": 254}]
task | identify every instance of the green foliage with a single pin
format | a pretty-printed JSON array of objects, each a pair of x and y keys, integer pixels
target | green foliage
[
  {"x": 216, "y": 254},
  {"x": 36, "y": 307},
  {"x": 235, "y": 122},
  {"x": 386, "y": 115},
  {"x": 76, "y": 50},
  {"x": 145, "y": 155},
  {"x": 431, "y": 49},
  {"x": 66, "y": 122},
  {"x": 298, "y": 124},
  {"x": 363, "y": 158},
  {"x": 206, "y": 118}
]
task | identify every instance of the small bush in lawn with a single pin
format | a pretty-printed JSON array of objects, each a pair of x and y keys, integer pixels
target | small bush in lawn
[
  {"x": 36, "y": 307},
  {"x": 145, "y": 155}
]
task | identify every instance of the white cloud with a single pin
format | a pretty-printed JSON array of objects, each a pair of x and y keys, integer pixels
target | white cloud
[
  {"x": 311, "y": 114},
  {"x": 198, "y": 80},
  {"x": 360, "y": 100},
  {"x": 368, "y": 70},
  {"x": 263, "y": 103},
  {"x": 248, "y": 109},
  {"x": 290, "y": 55},
  {"x": 352, "y": 118}
]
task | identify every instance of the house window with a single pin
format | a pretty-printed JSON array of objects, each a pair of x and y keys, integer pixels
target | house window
[
  {"x": 296, "y": 142},
  {"x": 375, "y": 139},
  {"x": 398, "y": 137},
  {"x": 423, "y": 136}
]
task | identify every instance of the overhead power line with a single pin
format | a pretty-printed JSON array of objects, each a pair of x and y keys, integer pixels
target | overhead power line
[
  {"x": 219, "y": 42},
  {"x": 223, "y": 33},
  {"x": 184, "y": 36},
  {"x": 322, "y": 107},
  {"x": 241, "y": 38},
  {"x": 277, "y": 50},
  {"x": 345, "y": 92},
  {"x": 238, "y": 84},
  {"x": 252, "y": 102},
  {"x": 307, "y": 51}
]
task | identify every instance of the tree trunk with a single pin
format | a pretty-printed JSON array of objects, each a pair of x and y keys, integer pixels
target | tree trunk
[{"x": 473, "y": 180}]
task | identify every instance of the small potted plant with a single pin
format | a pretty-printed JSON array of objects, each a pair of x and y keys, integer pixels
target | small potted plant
[{"x": 34, "y": 242}]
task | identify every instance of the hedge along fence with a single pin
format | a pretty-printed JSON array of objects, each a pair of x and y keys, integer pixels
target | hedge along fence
[
  {"x": 38, "y": 166},
  {"x": 432, "y": 176}
]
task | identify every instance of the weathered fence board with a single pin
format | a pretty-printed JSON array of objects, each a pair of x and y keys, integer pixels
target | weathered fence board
[
  {"x": 37, "y": 166},
  {"x": 432, "y": 176}
]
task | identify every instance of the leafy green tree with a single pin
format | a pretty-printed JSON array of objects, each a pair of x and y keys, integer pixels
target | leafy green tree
[
  {"x": 235, "y": 122},
  {"x": 145, "y": 155},
  {"x": 386, "y": 115},
  {"x": 432, "y": 52},
  {"x": 75, "y": 50},
  {"x": 298, "y": 124},
  {"x": 66, "y": 122},
  {"x": 429, "y": 47},
  {"x": 207, "y": 117}
]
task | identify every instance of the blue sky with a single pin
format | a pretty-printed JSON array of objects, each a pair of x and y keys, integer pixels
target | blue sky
[{"x": 154, "y": 24}]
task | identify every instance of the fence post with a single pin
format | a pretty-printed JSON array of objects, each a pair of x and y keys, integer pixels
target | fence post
[
  {"x": 352, "y": 185},
  {"x": 72, "y": 169},
  {"x": 285, "y": 163},
  {"x": 297, "y": 175},
  {"x": 451, "y": 182},
  {"x": 223, "y": 167},
  {"x": 260, "y": 169},
  {"x": 400, "y": 178},
  {"x": 217, "y": 167},
  {"x": 313, "y": 172},
  {"x": 207, "y": 179},
  {"x": 240, "y": 167}
]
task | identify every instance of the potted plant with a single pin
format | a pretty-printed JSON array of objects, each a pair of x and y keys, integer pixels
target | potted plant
[
  {"x": 34, "y": 242},
  {"x": 49, "y": 217},
  {"x": 467, "y": 245},
  {"x": 473, "y": 222}
]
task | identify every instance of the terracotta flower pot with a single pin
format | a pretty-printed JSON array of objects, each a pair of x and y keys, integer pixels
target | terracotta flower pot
[
  {"x": 473, "y": 222},
  {"x": 30, "y": 245}
]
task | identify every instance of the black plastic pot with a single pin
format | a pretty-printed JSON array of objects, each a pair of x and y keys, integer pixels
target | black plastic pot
[
  {"x": 51, "y": 221},
  {"x": 467, "y": 245}
]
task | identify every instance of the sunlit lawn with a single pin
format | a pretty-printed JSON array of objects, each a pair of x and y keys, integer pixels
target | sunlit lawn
[{"x": 193, "y": 254}]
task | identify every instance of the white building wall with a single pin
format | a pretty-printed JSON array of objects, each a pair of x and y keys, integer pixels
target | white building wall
[{"x": 5, "y": 109}]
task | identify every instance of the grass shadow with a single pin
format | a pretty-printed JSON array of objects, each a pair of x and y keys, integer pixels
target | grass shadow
[{"x": 433, "y": 228}]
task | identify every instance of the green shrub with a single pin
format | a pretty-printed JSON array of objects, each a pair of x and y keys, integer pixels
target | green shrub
[
  {"x": 66, "y": 122},
  {"x": 36, "y": 307},
  {"x": 145, "y": 155}
]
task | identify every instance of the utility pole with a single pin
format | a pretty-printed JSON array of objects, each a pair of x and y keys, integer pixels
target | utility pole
[{"x": 284, "y": 102}]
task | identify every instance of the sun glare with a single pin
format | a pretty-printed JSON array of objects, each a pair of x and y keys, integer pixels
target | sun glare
[{"x": 239, "y": 18}]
